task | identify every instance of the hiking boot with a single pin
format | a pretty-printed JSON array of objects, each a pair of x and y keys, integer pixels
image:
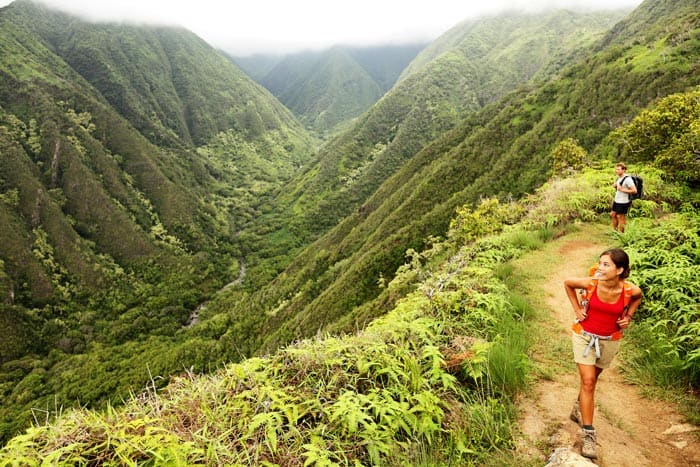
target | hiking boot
[
  {"x": 576, "y": 413},
  {"x": 588, "y": 446}
]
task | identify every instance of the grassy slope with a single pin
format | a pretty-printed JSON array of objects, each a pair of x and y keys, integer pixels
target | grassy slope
[
  {"x": 412, "y": 387},
  {"x": 503, "y": 150},
  {"x": 115, "y": 226}
]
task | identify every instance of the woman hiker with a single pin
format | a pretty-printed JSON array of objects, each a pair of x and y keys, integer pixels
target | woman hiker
[{"x": 607, "y": 309}]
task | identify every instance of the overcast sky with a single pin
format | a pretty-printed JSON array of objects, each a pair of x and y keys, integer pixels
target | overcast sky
[{"x": 243, "y": 27}]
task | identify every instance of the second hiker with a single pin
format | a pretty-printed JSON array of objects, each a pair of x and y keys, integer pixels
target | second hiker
[{"x": 624, "y": 186}]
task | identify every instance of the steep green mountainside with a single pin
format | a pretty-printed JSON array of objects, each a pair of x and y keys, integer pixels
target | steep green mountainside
[
  {"x": 353, "y": 165},
  {"x": 71, "y": 146},
  {"x": 524, "y": 45},
  {"x": 130, "y": 158},
  {"x": 335, "y": 89},
  {"x": 443, "y": 378},
  {"x": 503, "y": 150},
  {"x": 430, "y": 102},
  {"x": 328, "y": 88},
  {"x": 167, "y": 82}
]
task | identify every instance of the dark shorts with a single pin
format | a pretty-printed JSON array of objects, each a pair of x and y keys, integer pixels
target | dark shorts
[{"x": 621, "y": 208}]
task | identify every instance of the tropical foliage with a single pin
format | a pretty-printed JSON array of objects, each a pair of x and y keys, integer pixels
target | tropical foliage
[{"x": 152, "y": 229}]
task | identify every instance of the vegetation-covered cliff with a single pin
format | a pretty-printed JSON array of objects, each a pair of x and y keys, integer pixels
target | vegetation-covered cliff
[
  {"x": 164, "y": 214},
  {"x": 130, "y": 159},
  {"x": 329, "y": 88}
]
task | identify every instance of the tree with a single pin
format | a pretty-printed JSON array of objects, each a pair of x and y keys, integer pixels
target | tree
[
  {"x": 667, "y": 135},
  {"x": 568, "y": 157}
]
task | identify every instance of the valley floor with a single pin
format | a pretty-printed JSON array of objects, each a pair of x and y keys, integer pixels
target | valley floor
[{"x": 632, "y": 430}]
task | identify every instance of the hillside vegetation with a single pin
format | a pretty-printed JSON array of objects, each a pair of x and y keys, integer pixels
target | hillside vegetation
[
  {"x": 432, "y": 382},
  {"x": 327, "y": 89},
  {"x": 503, "y": 150},
  {"x": 130, "y": 157}
]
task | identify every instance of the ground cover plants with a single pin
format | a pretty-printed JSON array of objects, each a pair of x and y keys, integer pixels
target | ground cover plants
[
  {"x": 434, "y": 379},
  {"x": 667, "y": 254}
]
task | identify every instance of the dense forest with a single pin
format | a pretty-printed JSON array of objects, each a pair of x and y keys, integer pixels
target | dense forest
[
  {"x": 164, "y": 216},
  {"x": 132, "y": 158}
]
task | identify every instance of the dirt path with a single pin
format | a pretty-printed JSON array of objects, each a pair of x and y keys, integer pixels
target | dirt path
[{"x": 632, "y": 430}]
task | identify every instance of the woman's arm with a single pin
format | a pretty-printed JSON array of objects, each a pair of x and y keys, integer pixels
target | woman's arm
[
  {"x": 636, "y": 299},
  {"x": 571, "y": 285}
]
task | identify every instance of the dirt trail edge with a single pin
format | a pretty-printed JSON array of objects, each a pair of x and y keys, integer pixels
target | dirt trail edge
[{"x": 632, "y": 430}]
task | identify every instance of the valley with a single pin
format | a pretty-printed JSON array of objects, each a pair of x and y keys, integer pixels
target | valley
[{"x": 342, "y": 224}]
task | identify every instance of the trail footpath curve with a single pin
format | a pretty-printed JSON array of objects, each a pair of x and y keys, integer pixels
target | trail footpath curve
[{"x": 632, "y": 430}]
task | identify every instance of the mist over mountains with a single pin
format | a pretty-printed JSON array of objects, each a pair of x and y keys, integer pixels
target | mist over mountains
[
  {"x": 328, "y": 88},
  {"x": 145, "y": 178}
]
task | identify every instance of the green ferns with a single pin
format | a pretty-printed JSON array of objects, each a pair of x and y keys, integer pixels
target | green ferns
[
  {"x": 416, "y": 380},
  {"x": 666, "y": 256}
]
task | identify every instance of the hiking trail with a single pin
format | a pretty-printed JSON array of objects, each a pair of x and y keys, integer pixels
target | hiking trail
[{"x": 632, "y": 430}]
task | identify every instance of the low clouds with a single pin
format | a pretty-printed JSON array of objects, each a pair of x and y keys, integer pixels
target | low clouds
[{"x": 279, "y": 26}]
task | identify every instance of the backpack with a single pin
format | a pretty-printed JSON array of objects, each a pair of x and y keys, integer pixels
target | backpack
[
  {"x": 586, "y": 298},
  {"x": 639, "y": 184},
  {"x": 593, "y": 283}
]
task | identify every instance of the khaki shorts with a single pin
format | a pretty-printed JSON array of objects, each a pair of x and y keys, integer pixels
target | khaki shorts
[{"x": 608, "y": 350}]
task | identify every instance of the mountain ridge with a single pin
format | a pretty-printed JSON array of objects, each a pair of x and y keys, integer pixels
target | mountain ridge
[
  {"x": 326, "y": 89},
  {"x": 160, "y": 228}
]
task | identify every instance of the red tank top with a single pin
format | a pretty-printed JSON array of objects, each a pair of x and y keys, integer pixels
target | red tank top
[{"x": 602, "y": 317}]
